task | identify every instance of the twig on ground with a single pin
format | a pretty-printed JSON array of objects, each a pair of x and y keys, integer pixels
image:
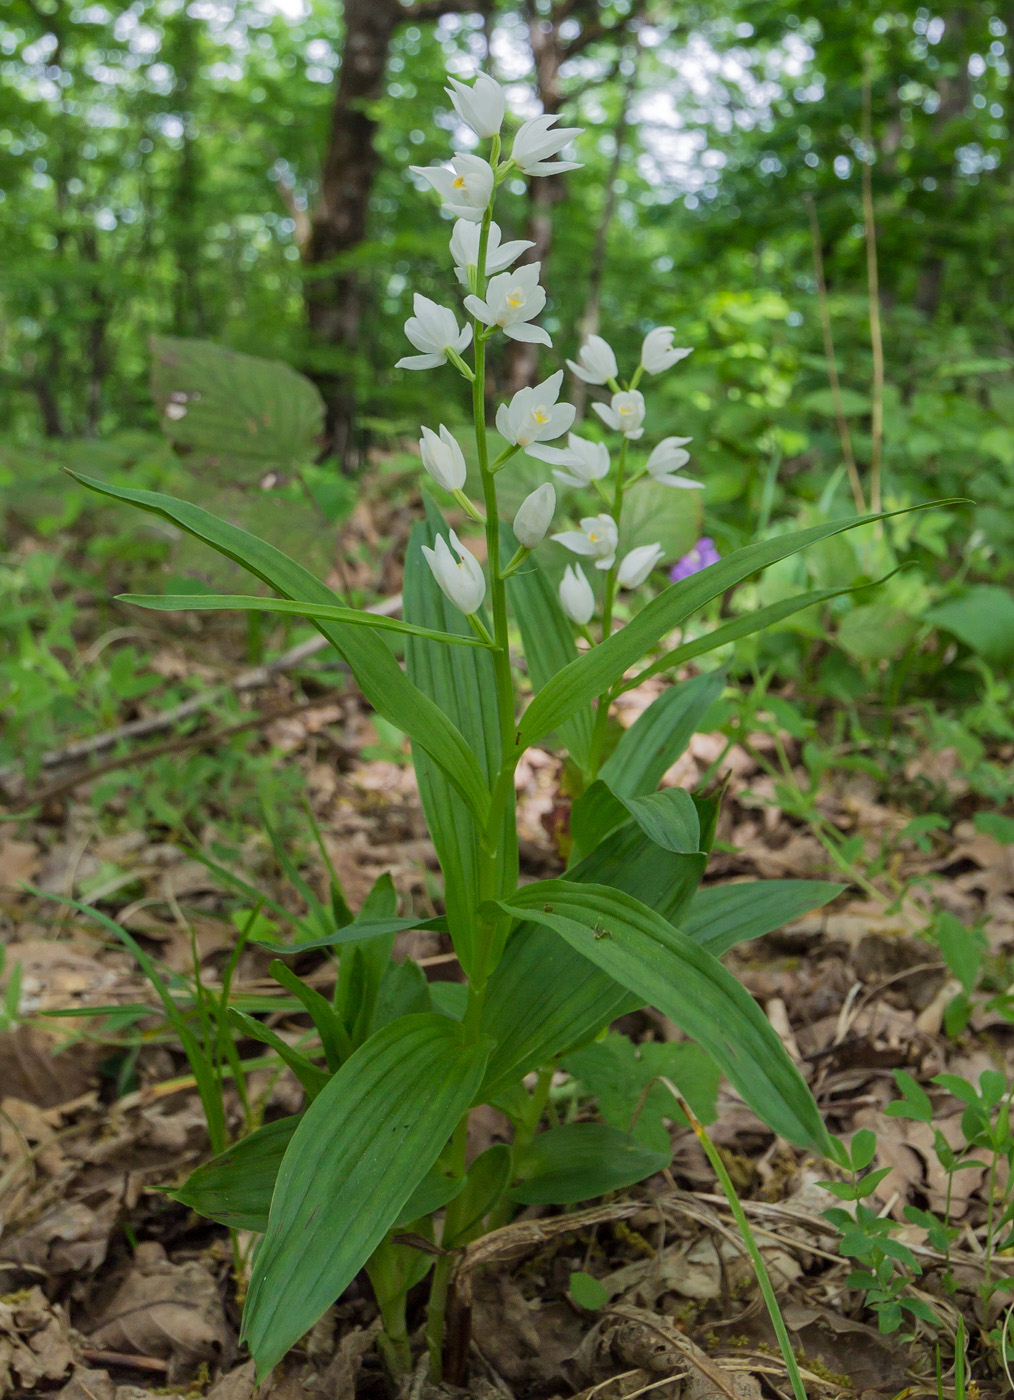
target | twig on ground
[{"x": 253, "y": 678}]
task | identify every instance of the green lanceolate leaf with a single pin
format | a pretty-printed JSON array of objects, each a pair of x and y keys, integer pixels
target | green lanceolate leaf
[
  {"x": 357, "y": 932},
  {"x": 333, "y": 1036},
  {"x": 378, "y": 674},
  {"x": 235, "y": 1187},
  {"x": 463, "y": 685},
  {"x": 313, "y": 612},
  {"x": 668, "y": 818},
  {"x": 723, "y": 915},
  {"x": 757, "y": 620},
  {"x": 642, "y": 951},
  {"x": 312, "y": 1078},
  {"x": 579, "y": 1162},
  {"x": 360, "y": 1150},
  {"x": 658, "y": 737},
  {"x": 546, "y": 998},
  {"x": 548, "y": 639},
  {"x": 602, "y": 666}
]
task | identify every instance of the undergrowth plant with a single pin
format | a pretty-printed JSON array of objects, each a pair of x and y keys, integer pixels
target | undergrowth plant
[{"x": 380, "y": 1148}]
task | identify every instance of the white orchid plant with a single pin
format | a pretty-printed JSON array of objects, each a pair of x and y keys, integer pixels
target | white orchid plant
[{"x": 374, "y": 1173}]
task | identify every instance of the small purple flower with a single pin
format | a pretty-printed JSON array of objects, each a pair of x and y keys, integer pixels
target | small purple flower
[{"x": 700, "y": 557}]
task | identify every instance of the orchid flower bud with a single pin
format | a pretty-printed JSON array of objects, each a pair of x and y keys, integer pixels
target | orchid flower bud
[
  {"x": 667, "y": 459},
  {"x": 433, "y": 330},
  {"x": 443, "y": 459},
  {"x": 638, "y": 564},
  {"x": 624, "y": 413},
  {"x": 535, "y": 515},
  {"x": 499, "y": 256},
  {"x": 482, "y": 106},
  {"x": 597, "y": 538},
  {"x": 458, "y": 573},
  {"x": 465, "y": 190},
  {"x": 535, "y": 145},
  {"x": 596, "y": 363},
  {"x": 576, "y": 597},
  {"x": 658, "y": 352}
]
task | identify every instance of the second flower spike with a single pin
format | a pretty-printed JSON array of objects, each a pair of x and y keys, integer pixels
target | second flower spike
[{"x": 458, "y": 573}]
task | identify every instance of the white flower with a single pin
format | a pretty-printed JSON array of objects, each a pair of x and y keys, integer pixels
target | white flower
[
  {"x": 465, "y": 189},
  {"x": 668, "y": 457},
  {"x": 624, "y": 413},
  {"x": 458, "y": 573},
  {"x": 638, "y": 564},
  {"x": 535, "y": 514},
  {"x": 465, "y": 249},
  {"x": 659, "y": 353},
  {"x": 533, "y": 415},
  {"x": 596, "y": 538},
  {"x": 433, "y": 330},
  {"x": 443, "y": 459},
  {"x": 481, "y": 106},
  {"x": 576, "y": 596},
  {"x": 535, "y": 145},
  {"x": 587, "y": 461},
  {"x": 596, "y": 363},
  {"x": 512, "y": 299}
]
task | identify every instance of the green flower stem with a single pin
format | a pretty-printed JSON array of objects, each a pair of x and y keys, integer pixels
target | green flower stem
[
  {"x": 608, "y": 602},
  {"x": 756, "y": 1258},
  {"x": 436, "y": 1316},
  {"x": 519, "y": 557}
]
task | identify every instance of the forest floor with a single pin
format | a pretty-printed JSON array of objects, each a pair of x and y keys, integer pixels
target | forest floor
[{"x": 112, "y": 1291}]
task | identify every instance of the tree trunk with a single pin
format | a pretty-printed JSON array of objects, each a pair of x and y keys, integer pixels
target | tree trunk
[{"x": 333, "y": 295}]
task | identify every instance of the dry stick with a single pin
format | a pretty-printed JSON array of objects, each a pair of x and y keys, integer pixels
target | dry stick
[
  {"x": 837, "y": 402},
  {"x": 252, "y": 679},
  {"x": 873, "y": 288},
  {"x": 188, "y": 741}
]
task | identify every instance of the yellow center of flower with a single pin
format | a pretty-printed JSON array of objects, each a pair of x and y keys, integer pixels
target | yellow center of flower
[
  {"x": 516, "y": 299},
  {"x": 625, "y": 408},
  {"x": 593, "y": 537},
  {"x": 459, "y": 183},
  {"x": 540, "y": 414}
]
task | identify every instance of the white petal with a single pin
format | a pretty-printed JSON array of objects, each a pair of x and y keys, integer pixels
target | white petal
[
  {"x": 420, "y": 361},
  {"x": 532, "y": 335}
]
